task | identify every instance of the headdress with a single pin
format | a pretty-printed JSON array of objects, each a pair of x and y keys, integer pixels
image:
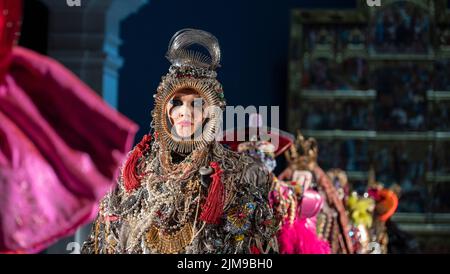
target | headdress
[
  {"x": 303, "y": 154},
  {"x": 191, "y": 69}
]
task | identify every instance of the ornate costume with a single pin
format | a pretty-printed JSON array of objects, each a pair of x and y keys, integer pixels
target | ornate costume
[
  {"x": 367, "y": 214},
  {"x": 295, "y": 206},
  {"x": 332, "y": 221},
  {"x": 187, "y": 195}
]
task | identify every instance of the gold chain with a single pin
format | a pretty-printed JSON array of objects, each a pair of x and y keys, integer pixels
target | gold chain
[{"x": 170, "y": 243}]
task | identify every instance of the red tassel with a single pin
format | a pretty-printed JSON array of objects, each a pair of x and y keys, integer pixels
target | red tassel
[
  {"x": 254, "y": 250},
  {"x": 131, "y": 178},
  {"x": 212, "y": 210}
]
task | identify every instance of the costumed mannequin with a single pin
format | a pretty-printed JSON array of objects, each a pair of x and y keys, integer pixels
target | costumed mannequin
[
  {"x": 360, "y": 210},
  {"x": 332, "y": 221},
  {"x": 368, "y": 214},
  {"x": 295, "y": 205},
  {"x": 386, "y": 203},
  {"x": 60, "y": 145},
  {"x": 180, "y": 190}
]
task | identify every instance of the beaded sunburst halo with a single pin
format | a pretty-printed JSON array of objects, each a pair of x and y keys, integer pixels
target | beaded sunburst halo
[{"x": 192, "y": 70}]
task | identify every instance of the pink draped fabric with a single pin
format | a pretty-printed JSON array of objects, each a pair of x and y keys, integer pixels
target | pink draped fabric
[
  {"x": 60, "y": 148},
  {"x": 301, "y": 237}
]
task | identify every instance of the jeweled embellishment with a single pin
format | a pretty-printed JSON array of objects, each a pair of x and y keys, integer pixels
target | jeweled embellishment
[
  {"x": 170, "y": 243},
  {"x": 238, "y": 219}
]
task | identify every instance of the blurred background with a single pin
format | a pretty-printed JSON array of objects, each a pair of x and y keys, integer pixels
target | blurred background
[{"x": 371, "y": 84}]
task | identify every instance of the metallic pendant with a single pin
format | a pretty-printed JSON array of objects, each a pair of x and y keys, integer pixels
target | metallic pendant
[{"x": 170, "y": 243}]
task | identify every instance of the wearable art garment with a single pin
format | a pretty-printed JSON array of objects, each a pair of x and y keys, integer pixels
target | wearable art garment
[
  {"x": 60, "y": 145},
  {"x": 298, "y": 210},
  {"x": 187, "y": 195},
  {"x": 332, "y": 221},
  {"x": 368, "y": 214},
  {"x": 141, "y": 221},
  {"x": 295, "y": 208}
]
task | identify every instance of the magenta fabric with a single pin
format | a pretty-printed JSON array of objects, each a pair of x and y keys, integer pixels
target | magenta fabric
[
  {"x": 311, "y": 204},
  {"x": 301, "y": 236},
  {"x": 60, "y": 149}
]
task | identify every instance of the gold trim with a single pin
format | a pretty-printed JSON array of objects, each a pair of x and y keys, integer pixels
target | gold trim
[
  {"x": 207, "y": 90},
  {"x": 170, "y": 243}
]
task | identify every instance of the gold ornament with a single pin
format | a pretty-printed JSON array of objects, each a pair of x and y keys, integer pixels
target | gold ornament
[
  {"x": 170, "y": 243},
  {"x": 166, "y": 91},
  {"x": 302, "y": 155}
]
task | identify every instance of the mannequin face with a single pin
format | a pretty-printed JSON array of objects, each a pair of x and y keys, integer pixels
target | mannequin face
[{"x": 186, "y": 112}]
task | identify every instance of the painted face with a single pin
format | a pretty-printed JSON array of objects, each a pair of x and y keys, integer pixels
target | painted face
[{"x": 186, "y": 112}]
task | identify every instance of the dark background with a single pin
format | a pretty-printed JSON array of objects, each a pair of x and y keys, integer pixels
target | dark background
[{"x": 253, "y": 35}]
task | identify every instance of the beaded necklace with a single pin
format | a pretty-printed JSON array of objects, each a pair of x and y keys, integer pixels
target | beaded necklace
[
  {"x": 176, "y": 196},
  {"x": 172, "y": 239}
]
